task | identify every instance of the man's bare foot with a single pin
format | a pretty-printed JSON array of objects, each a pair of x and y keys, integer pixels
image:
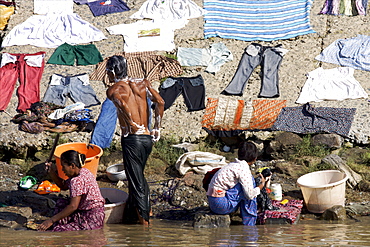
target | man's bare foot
[{"x": 143, "y": 222}]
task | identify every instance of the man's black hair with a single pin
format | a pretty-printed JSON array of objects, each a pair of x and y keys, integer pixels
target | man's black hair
[
  {"x": 247, "y": 151},
  {"x": 118, "y": 65}
]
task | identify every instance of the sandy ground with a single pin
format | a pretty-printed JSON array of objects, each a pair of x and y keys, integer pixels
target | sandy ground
[{"x": 177, "y": 122}]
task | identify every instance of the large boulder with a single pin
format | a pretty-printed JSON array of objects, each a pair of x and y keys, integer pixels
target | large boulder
[
  {"x": 14, "y": 216},
  {"x": 331, "y": 141},
  {"x": 209, "y": 220},
  {"x": 335, "y": 213},
  {"x": 283, "y": 145},
  {"x": 358, "y": 209}
]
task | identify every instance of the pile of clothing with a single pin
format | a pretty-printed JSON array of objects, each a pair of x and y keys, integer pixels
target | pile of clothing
[{"x": 40, "y": 117}]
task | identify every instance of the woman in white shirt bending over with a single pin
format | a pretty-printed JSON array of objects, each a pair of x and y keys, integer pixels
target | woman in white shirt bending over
[{"x": 233, "y": 186}]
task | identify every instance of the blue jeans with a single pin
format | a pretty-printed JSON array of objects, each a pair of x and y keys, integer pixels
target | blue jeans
[
  {"x": 233, "y": 199},
  {"x": 106, "y": 125},
  {"x": 77, "y": 87},
  {"x": 269, "y": 58}
]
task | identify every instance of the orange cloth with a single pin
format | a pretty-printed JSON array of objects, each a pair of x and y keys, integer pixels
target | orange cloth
[
  {"x": 227, "y": 114},
  {"x": 46, "y": 187}
]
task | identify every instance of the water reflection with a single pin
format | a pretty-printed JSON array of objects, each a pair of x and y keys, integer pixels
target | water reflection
[
  {"x": 174, "y": 233},
  {"x": 243, "y": 235}
]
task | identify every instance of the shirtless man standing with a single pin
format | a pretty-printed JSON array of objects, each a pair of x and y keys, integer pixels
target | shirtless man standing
[{"x": 130, "y": 96}]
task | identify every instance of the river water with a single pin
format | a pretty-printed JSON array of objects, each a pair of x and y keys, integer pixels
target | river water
[{"x": 175, "y": 233}]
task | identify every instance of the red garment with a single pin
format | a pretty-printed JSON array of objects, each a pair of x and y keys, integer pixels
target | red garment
[
  {"x": 288, "y": 211},
  {"x": 29, "y": 77},
  {"x": 85, "y": 185}
]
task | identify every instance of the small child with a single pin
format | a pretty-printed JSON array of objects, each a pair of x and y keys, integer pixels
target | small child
[{"x": 85, "y": 208}]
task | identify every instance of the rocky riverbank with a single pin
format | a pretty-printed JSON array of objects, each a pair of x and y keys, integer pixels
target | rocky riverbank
[
  {"x": 182, "y": 197},
  {"x": 177, "y": 122}
]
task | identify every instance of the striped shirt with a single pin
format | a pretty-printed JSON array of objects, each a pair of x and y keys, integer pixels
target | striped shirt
[
  {"x": 352, "y": 52},
  {"x": 257, "y": 20},
  {"x": 146, "y": 65}
]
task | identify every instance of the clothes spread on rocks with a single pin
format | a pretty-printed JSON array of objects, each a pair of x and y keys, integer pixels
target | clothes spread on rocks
[
  {"x": 25, "y": 68},
  {"x": 225, "y": 117},
  {"x": 269, "y": 58},
  {"x": 43, "y": 7},
  {"x": 104, "y": 7},
  {"x": 257, "y": 20},
  {"x": 84, "y": 1},
  {"x": 344, "y": 7},
  {"x": 6, "y": 11},
  {"x": 38, "y": 111},
  {"x": 59, "y": 113},
  {"x": 67, "y": 54},
  {"x": 309, "y": 119},
  {"x": 147, "y": 35},
  {"x": 148, "y": 65},
  {"x": 191, "y": 88},
  {"x": 168, "y": 10},
  {"x": 77, "y": 87},
  {"x": 199, "y": 162},
  {"x": 331, "y": 84},
  {"x": 45, "y": 116},
  {"x": 213, "y": 57},
  {"x": 52, "y": 30},
  {"x": 352, "y": 52}
]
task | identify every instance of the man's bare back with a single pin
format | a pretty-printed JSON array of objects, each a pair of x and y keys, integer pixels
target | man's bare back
[{"x": 130, "y": 98}]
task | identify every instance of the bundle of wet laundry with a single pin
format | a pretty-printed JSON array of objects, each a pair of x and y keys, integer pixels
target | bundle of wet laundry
[{"x": 46, "y": 116}]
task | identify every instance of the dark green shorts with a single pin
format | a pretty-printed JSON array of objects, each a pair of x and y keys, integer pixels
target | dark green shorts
[{"x": 66, "y": 54}]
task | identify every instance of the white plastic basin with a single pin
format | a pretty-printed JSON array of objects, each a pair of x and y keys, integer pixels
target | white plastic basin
[{"x": 323, "y": 189}]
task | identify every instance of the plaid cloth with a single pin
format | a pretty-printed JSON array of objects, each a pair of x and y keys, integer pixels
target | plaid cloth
[
  {"x": 146, "y": 65},
  {"x": 289, "y": 211}
]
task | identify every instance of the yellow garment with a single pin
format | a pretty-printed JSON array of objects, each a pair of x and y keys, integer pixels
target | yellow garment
[
  {"x": 263, "y": 168},
  {"x": 5, "y": 13}
]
